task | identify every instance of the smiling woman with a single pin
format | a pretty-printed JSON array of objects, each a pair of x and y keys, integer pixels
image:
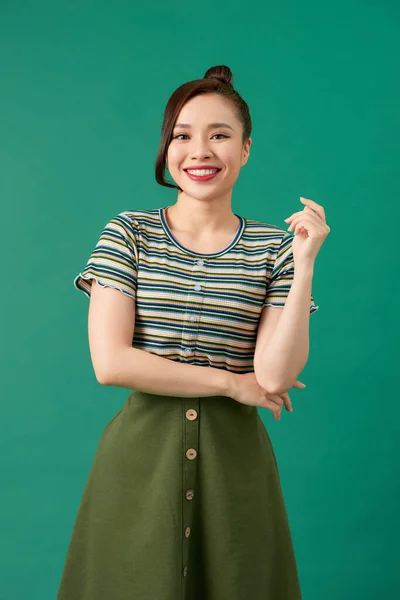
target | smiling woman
[
  {"x": 184, "y": 501},
  {"x": 205, "y": 154},
  {"x": 206, "y": 125}
]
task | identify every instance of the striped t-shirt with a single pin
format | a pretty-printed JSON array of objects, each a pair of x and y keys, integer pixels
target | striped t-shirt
[{"x": 201, "y": 309}]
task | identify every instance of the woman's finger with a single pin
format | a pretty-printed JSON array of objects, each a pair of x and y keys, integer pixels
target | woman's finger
[
  {"x": 313, "y": 217},
  {"x": 286, "y": 400},
  {"x": 299, "y": 384},
  {"x": 303, "y": 218},
  {"x": 282, "y": 399},
  {"x": 272, "y": 406},
  {"x": 306, "y": 219},
  {"x": 275, "y": 399},
  {"x": 317, "y": 207},
  {"x": 312, "y": 208},
  {"x": 288, "y": 404}
]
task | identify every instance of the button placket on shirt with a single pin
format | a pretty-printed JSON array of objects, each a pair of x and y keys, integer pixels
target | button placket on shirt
[{"x": 189, "y": 339}]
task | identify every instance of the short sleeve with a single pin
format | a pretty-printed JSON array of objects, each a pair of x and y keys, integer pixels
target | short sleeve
[
  {"x": 113, "y": 262},
  {"x": 281, "y": 277}
]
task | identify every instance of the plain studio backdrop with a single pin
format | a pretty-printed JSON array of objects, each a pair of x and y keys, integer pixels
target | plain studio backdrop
[{"x": 83, "y": 88}]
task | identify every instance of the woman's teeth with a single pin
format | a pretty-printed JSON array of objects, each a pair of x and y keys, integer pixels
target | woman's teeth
[{"x": 202, "y": 171}]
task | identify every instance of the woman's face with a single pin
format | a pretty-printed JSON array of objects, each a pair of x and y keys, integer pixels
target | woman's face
[{"x": 199, "y": 143}]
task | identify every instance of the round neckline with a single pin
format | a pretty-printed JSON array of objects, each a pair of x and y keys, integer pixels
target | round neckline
[{"x": 233, "y": 242}]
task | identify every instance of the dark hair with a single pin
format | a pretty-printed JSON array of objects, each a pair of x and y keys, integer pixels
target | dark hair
[{"x": 217, "y": 80}]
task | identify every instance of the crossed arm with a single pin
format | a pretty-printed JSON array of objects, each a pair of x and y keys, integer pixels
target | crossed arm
[{"x": 282, "y": 347}]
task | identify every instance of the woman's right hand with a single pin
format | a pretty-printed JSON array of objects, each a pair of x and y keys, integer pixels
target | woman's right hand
[{"x": 246, "y": 390}]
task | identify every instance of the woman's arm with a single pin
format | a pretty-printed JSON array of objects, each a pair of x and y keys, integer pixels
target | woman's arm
[
  {"x": 278, "y": 364},
  {"x": 111, "y": 327},
  {"x": 285, "y": 354},
  {"x": 138, "y": 369}
]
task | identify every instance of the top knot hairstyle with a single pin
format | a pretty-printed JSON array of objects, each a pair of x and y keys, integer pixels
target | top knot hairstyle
[{"x": 217, "y": 80}]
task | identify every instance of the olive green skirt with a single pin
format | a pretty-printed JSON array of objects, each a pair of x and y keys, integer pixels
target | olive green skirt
[{"x": 183, "y": 502}]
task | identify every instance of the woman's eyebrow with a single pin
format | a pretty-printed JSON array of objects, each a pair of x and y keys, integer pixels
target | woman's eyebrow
[{"x": 210, "y": 125}]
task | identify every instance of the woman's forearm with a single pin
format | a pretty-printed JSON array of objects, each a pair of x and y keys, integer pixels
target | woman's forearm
[
  {"x": 286, "y": 354},
  {"x": 137, "y": 369}
]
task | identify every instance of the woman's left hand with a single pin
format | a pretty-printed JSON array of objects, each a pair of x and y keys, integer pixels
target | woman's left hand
[
  {"x": 310, "y": 230},
  {"x": 284, "y": 395}
]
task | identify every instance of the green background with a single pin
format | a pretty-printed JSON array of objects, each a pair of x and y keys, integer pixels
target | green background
[{"x": 84, "y": 86}]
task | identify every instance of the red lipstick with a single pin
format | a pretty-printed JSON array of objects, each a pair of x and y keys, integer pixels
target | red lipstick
[{"x": 202, "y": 177}]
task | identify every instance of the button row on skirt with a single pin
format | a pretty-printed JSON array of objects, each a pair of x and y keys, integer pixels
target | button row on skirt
[{"x": 191, "y": 454}]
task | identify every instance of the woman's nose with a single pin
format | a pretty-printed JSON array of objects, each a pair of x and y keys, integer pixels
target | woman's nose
[
  {"x": 199, "y": 146},
  {"x": 200, "y": 150},
  {"x": 200, "y": 154}
]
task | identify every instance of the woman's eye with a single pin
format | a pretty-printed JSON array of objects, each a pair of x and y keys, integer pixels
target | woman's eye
[{"x": 184, "y": 134}]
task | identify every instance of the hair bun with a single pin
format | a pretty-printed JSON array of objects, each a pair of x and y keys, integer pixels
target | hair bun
[{"x": 221, "y": 72}]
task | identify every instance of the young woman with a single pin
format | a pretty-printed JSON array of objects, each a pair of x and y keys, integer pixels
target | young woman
[{"x": 204, "y": 315}]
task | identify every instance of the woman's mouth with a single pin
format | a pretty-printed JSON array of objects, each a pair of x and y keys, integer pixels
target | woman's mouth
[{"x": 202, "y": 174}]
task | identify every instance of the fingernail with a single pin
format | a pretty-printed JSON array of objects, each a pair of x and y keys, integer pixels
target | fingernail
[
  {"x": 286, "y": 220},
  {"x": 303, "y": 385}
]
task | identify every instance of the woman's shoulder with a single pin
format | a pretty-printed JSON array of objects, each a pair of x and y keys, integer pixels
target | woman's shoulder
[
  {"x": 134, "y": 218},
  {"x": 264, "y": 228}
]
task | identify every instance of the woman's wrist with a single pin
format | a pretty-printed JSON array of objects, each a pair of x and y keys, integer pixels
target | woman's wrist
[
  {"x": 304, "y": 269},
  {"x": 229, "y": 383}
]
